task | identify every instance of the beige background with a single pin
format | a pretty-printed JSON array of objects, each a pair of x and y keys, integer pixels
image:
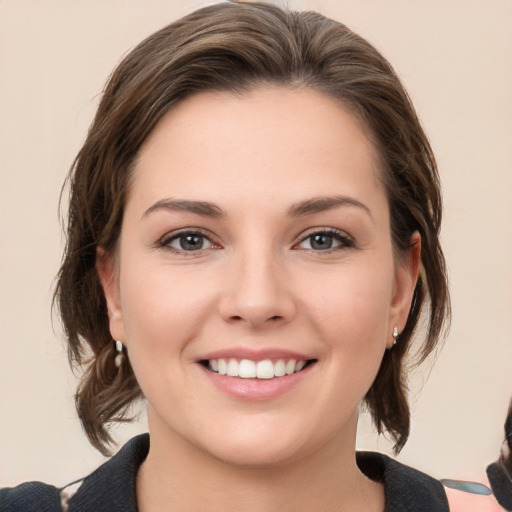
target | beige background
[{"x": 455, "y": 56}]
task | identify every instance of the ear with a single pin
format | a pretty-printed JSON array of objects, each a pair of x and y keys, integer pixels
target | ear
[
  {"x": 406, "y": 277},
  {"x": 107, "y": 269}
]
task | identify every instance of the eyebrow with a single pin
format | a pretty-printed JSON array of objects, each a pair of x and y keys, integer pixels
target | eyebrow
[
  {"x": 321, "y": 204},
  {"x": 204, "y": 208},
  {"x": 308, "y": 207}
]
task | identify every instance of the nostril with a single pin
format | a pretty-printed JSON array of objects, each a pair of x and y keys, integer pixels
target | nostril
[{"x": 275, "y": 318}]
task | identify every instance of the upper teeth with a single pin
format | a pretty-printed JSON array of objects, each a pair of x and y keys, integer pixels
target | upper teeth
[{"x": 247, "y": 369}]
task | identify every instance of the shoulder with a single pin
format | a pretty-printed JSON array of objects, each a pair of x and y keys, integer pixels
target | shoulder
[
  {"x": 30, "y": 496},
  {"x": 406, "y": 488},
  {"x": 465, "y": 496},
  {"x": 500, "y": 480},
  {"x": 463, "y": 501},
  {"x": 110, "y": 488}
]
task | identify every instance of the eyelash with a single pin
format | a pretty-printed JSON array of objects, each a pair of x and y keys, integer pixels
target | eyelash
[
  {"x": 345, "y": 242},
  {"x": 165, "y": 241}
]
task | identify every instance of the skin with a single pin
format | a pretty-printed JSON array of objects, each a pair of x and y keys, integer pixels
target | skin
[
  {"x": 257, "y": 283},
  {"x": 465, "y": 502}
]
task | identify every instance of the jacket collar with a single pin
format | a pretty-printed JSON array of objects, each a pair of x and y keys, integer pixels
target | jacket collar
[
  {"x": 111, "y": 488},
  {"x": 406, "y": 488}
]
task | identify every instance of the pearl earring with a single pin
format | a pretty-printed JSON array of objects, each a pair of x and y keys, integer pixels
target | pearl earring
[
  {"x": 395, "y": 335},
  {"x": 119, "y": 356}
]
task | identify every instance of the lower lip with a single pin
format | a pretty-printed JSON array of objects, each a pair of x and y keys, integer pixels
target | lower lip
[{"x": 257, "y": 389}]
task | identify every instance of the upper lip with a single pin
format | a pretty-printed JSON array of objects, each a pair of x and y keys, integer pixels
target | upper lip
[{"x": 255, "y": 354}]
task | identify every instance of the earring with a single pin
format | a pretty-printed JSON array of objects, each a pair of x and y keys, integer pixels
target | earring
[
  {"x": 120, "y": 355},
  {"x": 395, "y": 335}
]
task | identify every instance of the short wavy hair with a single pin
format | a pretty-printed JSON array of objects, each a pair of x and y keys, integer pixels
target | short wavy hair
[{"x": 235, "y": 46}]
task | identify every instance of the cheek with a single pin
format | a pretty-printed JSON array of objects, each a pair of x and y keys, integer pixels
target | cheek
[
  {"x": 350, "y": 312},
  {"x": 162, "y": 308},
  {"x": 352, "y": 305},
  {"x": 347, "y": 312},
  {"x": 164, "y": 312}
]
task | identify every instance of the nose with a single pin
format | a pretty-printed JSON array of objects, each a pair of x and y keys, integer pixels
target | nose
[{"x": 257, "y": 292}]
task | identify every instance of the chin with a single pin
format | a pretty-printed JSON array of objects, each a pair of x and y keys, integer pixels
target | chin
[
  {"x": 257, "y": 456},
  {"x": 263, "y": 445}
]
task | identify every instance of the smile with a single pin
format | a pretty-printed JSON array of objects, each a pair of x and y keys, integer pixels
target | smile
[{"x": 248, "y": 369}]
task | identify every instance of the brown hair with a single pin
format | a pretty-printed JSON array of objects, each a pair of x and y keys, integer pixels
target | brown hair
[{"x": 236, "y": 46}]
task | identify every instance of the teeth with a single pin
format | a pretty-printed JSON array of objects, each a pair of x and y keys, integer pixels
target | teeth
[
  {"x": 223, "y": 366},
  {"x": 280, "y": 368},
  {"x": 265, "y": 369},
  {"x": 290, "y": 366},
  {"x": 232, "y": 370},
  {"x": 247, "y": 369}
]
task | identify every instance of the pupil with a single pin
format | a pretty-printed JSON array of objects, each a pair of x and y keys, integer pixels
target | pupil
[
  {"x": 321, "y": 242},
  {"x": 191, "y": 242}
]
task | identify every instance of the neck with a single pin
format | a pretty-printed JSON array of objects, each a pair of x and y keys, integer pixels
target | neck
[{"x": 178, "y": 476}]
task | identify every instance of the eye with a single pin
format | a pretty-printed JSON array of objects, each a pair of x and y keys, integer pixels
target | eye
[
  {"x": 187, "y": 241},
  {"x": 325, "y": 240}
]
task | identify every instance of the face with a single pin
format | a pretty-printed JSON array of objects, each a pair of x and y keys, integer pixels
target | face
[{"x": 254, "y": 284}]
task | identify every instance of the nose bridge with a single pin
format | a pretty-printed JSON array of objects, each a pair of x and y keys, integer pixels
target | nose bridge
[{"x": 257, "y": 292}]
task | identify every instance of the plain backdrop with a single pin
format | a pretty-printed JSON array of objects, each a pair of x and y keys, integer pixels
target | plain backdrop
[{"x": 455, "y": 57}]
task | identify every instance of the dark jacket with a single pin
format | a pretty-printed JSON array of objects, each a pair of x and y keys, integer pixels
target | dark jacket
[
  {"x": 111, "y": 488},
  {"x": 501, "y": 484}
]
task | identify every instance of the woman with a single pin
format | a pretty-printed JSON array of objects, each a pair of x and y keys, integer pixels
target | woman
[
  {"x": 252, "y": 237},
  {"x": 500, "y": 472},
  {"x": 467, "y": 496}
]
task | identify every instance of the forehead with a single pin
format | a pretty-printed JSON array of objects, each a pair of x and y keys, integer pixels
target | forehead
[{"x": 259, "y": 143}]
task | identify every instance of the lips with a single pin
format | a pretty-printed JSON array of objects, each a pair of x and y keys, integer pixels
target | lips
[
  {"x": 256, "y": 374},
  {"x": 249, "y": 375}
]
